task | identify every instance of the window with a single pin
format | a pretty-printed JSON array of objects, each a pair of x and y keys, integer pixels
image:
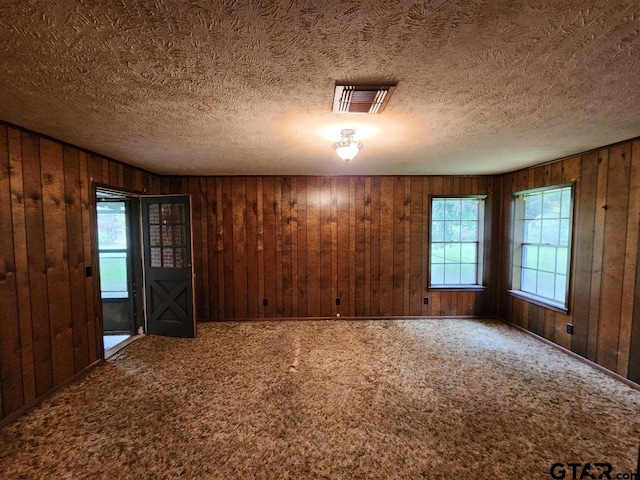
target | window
[
  {"x": 542, "y": 244},
  {"x": 112, "y": 249},
  {"x": 456, "y": 241}
]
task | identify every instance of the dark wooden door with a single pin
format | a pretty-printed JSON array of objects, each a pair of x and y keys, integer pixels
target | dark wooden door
[{"x": 167, "y": 266}]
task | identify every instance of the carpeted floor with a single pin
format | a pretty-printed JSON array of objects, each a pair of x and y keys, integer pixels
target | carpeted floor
[{"x": 452, "y": 399}]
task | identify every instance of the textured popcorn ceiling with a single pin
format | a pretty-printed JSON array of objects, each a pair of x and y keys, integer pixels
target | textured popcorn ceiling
[{"x": 246, "y": 87}]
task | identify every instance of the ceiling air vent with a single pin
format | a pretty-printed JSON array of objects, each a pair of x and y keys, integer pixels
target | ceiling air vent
[{"x": 361, "y": 99}]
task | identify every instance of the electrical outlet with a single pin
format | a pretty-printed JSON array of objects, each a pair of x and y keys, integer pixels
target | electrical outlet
[
  {"x": 426, "y": 300},
  {"x": 570, "y": 328},
  {"x": 337, "y": 301}
]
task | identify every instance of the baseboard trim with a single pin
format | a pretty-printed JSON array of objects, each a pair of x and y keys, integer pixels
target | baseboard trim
[
  {"x": 310, "y": 319},
  {"x": 591, "y": 363},
  {"x": 38, "y": 400}
]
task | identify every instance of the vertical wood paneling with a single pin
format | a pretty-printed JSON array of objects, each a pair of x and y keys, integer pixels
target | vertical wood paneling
[
  {"x": 614, "y": 251},
  {"x": 92, "y": 313},
  {"x": 630, "y": 262},
  {"x": 603, "y": 305},
  {"x": 334, "y": 245},
  {"x": 239, "y": 246},
  {"x": 374, "y": 239},
  {"x": 72, "y": 200},
  {"x": 598, "y": 255},
  {"x": 286, "y": 230},
  {"x": 260, "y": 245},
  {"x": 386, "y": 236},
  {"x": 414, "y": 257},
  {"x": 227, "y": 242},
  {"x": 50, "y": 319},
  {"x": 303, "y": 284},
  {"x": 253, "y": 294},
  {"x": 57, "y": 265},
  {"x": 313, "y": 246},
  {"x": 196, "y": 239},
  {"x": 300, "y": 243},
  {"x": 303, "y": 242},
  {"x": 326, "y": 254},
  {"x": 343, "y": 248},
  {"x": 584, "y": 235},
  {"x": 12, "y": 394},
  {"x": 359, "y": 255},
  {"x": 211, "y": 244},
  {"x": 279, "y": 228},
  {"x": 293, "y": 201},
  {"x": 205, "y": 309},
  {"x": 269, "y": 242},
  {"x": 21, "y": 264},
  {"x": 37, "y": 264}
]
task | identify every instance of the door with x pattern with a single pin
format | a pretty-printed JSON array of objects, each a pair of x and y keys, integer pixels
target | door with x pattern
[{"x": 168, "y": 272}]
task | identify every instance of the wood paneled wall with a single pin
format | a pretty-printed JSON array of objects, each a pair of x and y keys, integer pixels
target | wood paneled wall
[
  {"x": 302, "y": 242},
  {"x": 604, "y": 307},
  {"x": 49, "y": 324}
]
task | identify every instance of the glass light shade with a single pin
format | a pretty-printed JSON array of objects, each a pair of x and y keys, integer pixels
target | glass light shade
[{"x": 347, "y": 150}]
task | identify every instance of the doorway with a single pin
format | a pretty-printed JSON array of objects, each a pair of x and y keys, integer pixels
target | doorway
[
  {"x": 119, "y": 266},
  {"x": 146, "y": 289}
]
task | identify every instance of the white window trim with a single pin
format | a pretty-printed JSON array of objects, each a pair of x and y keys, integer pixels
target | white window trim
[
  {"x": 480, "y": 256},
  {"x": 517, "y": 243}
]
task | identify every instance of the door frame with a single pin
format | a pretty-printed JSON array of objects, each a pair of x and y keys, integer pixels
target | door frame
[{"x": 137, "y": 249}]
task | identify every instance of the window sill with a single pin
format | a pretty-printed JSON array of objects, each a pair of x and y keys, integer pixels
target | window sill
[
  {"x": 457, "y": 288},
  {"x": 556, "y": 307}
]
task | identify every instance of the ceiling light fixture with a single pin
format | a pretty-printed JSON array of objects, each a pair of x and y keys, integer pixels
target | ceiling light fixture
[{"x": 347, "y": 148}]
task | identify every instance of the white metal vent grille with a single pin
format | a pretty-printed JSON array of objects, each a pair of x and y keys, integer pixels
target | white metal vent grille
[{"x": 361, "y": 99}]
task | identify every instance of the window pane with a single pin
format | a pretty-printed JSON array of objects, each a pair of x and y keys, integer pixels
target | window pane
[
  {"x": 437, "y": 274},
  {"x": 154, "y": 213},
  {"x": 437, "y": 253},
  {"x": 530, "y": 256},
  {"x": 469, "y": 231},
  {"x": 561, "y": 260},
  {"x": 156, "y": 257},
  {"x": 113, "y": 274},
  {"x": 547, "y": 259},
  {"x": 546, "y": 284},
  {"x": 532, "y": 231},
  {"x": 167, "y": 258},
  {"x": 550, "y": 232},
  {"x": 564, "y": 232},
  {"x": 437, "y": 231},
  {"x": 437, "y": 209},
  {"x": 452, "y": 274},
  {"x": 533, "y": 207},
  {"x": 551, "y": 204},
  {"x": 561, "y": 288},
  {"x": 468, "y": 253},
  {"x": 452, "y": 253},
  {"x": 452, "y": 209},
  {"x": 565, "y": 210},
  {"x": 469, "y": 209},
  {"x": 468, "y": 274},
  {"x": 452, "y": 231},
  {"x": 112, "y": 225},
  {"x": 528, "y": 281}
]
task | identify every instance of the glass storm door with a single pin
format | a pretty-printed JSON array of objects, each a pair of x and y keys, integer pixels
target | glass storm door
[{"x": 167, "y": 266}]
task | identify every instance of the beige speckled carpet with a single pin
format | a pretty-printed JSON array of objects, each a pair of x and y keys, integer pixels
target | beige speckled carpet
[{"x": 436, "y": 399}]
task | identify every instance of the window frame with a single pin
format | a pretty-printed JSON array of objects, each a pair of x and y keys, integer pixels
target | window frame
[
  {"x": 480, "y": 244},
  {"x": 517, "y": 237}
]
